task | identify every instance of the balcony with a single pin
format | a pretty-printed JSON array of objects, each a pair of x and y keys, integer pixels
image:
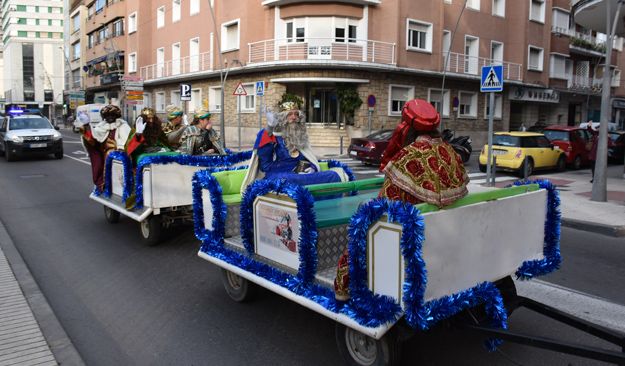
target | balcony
[
  {"x": 470, "y": 65},
  {"x": 181, "y": 66},
  {"x": 589, "y": 44},
  {"x": 585, "y": 84},
  {"x": 322, "y": 49}
]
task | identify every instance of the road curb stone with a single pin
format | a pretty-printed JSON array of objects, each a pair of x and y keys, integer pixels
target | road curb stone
[{"x": 608, "y": 230}]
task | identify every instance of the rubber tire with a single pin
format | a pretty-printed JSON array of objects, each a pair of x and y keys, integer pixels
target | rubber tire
[
  {"x": 387, "y": 349},
  {"x": 58, "y": 155},
  {"x": 530, "y": 169},
  {"x": 577, "y": 162},
  {"x": 507, "y": 288},
  {"x": 2, "y": 152},
  {"x": 561, "y": 164},
  {"x": 238, "y": 288},
  {"x": 482, "y": 168},
  {"x": 8, "y": 155},
  {"x": 151, "y": 229},
  {"x": 111, "y": 216}
]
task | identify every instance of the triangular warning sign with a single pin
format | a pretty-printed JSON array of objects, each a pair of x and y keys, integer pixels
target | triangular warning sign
[
  {"x": 240, "y": 90},
  {"x": 491, "y": 81}
]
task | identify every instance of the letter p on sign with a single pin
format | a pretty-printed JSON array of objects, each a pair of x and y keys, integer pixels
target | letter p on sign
[{"x": 185, "y": 92}]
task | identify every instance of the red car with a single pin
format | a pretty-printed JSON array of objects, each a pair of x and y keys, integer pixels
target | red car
[
  {"x": 574, "y": 141},
  {"x": 369, "y": 149}
]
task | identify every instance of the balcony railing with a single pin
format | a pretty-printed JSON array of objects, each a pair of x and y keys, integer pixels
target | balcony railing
[
  {"x": 586, "y": 84},
  {"x": 589, "y": 42},
  {"x": 181, "y": 66},
  {"x": 471, "y": 65},
  {"x": 333, "y": 49}
]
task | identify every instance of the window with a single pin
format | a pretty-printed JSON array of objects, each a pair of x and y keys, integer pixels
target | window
[
  {"x": 194, "y": 54},
  {"x": 175, "y": 97},
  {"x": 196, "y": 100},
  {"x": 76, "y": 23},
  {"x": 537, "y": 10},
  {"x": 468, "y": 104},
  {"x": 557, "y": 67},
  {"x": 398, "y": 96},
  {"x": 353, "y": 33},
  {"x": 535, "y": 59},
  {"x": 76, "y": 51},
  {"x": 471, "y": 49},
  {"x": 132, "y": 62},
  {"x": 496, "y": 52},
  {"x": 160, "y": 101},
  {"x": 147, "y": 100},
  {"x": 194, "y": 7},
  {"x": 339, "y": 35},
  {"x": 289, "y": 31},
  {"x": 542, "y": 141},
  {"x": 473, "y": 4},
  {"x": 249, "y": 101},
  {"x": 230, "y": 36},
  {"x": 160, "y": 17},
  {"x": 419, "y": 36},
  {"x": 214, "y": 99},
  {"x": 499, "y": 8},
  {"x": 498, "y": 106},
  {"x": 160, "y": 62},
  {"x": 118, "y": 28},
  {"x": 175, "y": 58},
  {"x": 560, "y": 21},
  {"x": 434, "y": 97},
  {"x": 300, "y": 33},
  {"x": 132, "y": 22},
  {"x": 90, "y": 40},
  {"x": 175, "y": 10},
  {"x": 99, "y": 5},
  {"x": 616, "y": 78}
]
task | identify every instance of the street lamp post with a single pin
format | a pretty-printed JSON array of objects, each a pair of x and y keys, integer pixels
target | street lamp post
[
  {"x": 600, "y": 186},
  {"x": 222, "y": 118}
]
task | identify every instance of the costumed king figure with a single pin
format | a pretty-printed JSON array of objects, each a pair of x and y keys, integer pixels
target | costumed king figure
[
  {"x": 419, "y": 167},
  {"x": 109, "y": 135},
  {"x": 200, "y": 138},
  {"x": 282, "y": 151},
  {"x": 147, "y": 136},
  {"x": 175, "y": 125}
]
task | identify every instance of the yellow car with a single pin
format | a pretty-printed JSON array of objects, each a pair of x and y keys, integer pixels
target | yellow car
[{"x": 512, "y": 149}]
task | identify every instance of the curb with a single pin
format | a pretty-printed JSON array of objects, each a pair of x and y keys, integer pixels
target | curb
[
  {"x": 59, "y": 342},
  {"x": 608, "y": 230}
]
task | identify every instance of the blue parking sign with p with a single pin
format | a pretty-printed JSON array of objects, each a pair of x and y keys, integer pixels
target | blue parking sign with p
[
  {"x": 260, "y": 88},
  {"x": 492, "y": 78}
]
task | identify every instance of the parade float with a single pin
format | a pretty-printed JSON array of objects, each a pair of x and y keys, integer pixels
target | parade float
[{"x": 410, "y": 266}]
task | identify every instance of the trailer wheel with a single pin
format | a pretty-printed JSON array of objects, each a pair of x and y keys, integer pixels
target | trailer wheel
[
  {"x": 358, "y": 349},
  {"x": 238, "y": 288},
  {"x": 111, "y": 216},
  {"x": 508, "y": 293},
  {"x": 151, "y": 229}
]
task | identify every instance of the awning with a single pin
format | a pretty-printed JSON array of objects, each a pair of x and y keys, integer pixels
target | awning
[
  {"x": 319, "y": 80},
  {"x": 104, "y": 58}
]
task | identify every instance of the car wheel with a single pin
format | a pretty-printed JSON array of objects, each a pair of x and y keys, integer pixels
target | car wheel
[
  {"x": 577, "y": 162},
  {"x": 151, "y": 229},
  {"x": 58, "y": 155},
  {"x": 482, "y": 168},
  {"x": 530, "y": 168},
  {"x": 359, "y": 349},
  {"x": 3, "y": 150},
  {"x": 111, "y": 216},
  {"x": 561, "y": 165},
  {"x": 238, "y": 288},
  {"x": 8, "y": 155}
]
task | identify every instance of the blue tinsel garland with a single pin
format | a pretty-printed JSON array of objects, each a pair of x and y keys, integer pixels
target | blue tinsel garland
[
  {"x": 204, "y": 180},
  {"x": 551, "y": 250},
  {"x": 191, "y": 160},
  {"x": 128, "y": 177},
  {"x": 305, "y": 213}
]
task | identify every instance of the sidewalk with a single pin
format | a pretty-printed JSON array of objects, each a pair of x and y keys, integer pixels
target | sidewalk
[{"x": 30, "y": 333}]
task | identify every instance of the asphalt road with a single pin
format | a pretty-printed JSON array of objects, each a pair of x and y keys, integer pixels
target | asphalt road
[{"x": 123, "y": 303}]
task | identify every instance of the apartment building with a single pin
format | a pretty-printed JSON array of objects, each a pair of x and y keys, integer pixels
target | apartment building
[
  {"x": 394, "y": 50},
  {"x": 32, "y": 40},
  {"x": 75, "y": 46}
]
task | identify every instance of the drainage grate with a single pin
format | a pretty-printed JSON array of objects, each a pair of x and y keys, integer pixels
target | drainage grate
[{"x": 32, "y": 176}]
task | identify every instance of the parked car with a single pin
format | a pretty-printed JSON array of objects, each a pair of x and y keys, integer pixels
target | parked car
[
  {"x": 573, "y": 141},
  {"x": 23, "y": 134},
  {"x": 369, "y": 149},
  {"x": 616, "y": 146},
  {"x": 612, "y": 126},
  {"x": 513, "y": 149}
]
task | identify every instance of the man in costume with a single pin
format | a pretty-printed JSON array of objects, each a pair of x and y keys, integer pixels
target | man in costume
[
  {"x": 109, "y": 135},
  {"x": 175, "y": 126},
  {"x": 147, "y": 136},
  {"x": 200, "y": 138},
  {"x": 419, "y": 167},
  {"x": 282, "y": 150}
]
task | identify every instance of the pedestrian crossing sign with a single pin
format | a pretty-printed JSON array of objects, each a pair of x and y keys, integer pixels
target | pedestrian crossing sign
[
  {"x": 492, "y": 78},
  {"x": 260, "y": 88}
]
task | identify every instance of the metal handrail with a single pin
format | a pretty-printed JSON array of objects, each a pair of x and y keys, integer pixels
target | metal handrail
[
  {"x": 460, "y": 63},
  {"x": 180, "y": 66}
]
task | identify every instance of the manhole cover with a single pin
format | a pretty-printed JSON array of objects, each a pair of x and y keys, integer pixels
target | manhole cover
[{"x": 32, "y": 176}]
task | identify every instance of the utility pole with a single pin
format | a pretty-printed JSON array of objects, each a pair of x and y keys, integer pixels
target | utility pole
[
  {"x": 600, "y": 183},
  {"x": 222, "y": 118}
]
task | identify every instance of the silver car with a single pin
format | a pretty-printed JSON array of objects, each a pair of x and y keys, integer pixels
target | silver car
[{"x": 29, "y": 134}]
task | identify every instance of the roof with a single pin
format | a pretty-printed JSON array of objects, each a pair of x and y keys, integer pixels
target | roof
[{"x": 519, "y": 134}]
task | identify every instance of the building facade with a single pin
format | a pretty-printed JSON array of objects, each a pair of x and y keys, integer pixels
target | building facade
[
  {"x": 392, "y": 50},
  {"x": 32, "y": 43}
]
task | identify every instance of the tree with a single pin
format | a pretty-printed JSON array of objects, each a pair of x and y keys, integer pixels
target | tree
[{"x": 349, "y": 101}]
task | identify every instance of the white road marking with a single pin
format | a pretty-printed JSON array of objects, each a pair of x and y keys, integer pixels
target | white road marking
[
  {"x": 79, "y": 152},
  {"x": 71, "y": 142},
  {"x": 79, "y": 160},
  {"x": 586, "y": 306},
  {"x": 471, "y": 175}
]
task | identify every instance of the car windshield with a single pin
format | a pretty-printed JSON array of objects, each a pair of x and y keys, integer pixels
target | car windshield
[
  {"x": 28, "y": 123},
  {"x": 556, "y": 135},
  {"x": 614, "y": 136},
  {"x": 381, "y": 135},
  {"x": 506, "y": 140}
]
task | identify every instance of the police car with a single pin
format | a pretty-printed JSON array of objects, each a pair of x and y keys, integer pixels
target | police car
[{"x": 25, "y": 132}]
